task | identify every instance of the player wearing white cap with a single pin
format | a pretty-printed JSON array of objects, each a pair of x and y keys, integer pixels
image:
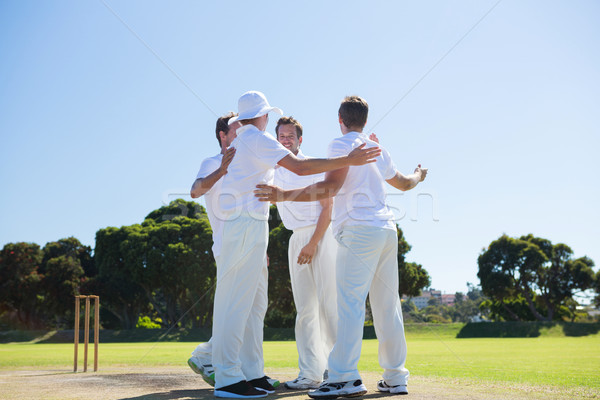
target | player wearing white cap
[
  {"x": 208, "y": 183},
  {"x": 241, "y": 295},
  {"x": 311, "y": 254}
]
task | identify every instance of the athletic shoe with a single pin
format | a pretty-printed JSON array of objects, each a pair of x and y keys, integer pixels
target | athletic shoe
[
  {"x": 301, "y": 383},
  {"x": 333, "y": 390},
  {"x": 240, "y": 390},
  {"x": 274, "y": 382},
  {"x": 263, "y": 384},
  {"x": 398, "y": 389},
  {"x": 204, "y": 368}
]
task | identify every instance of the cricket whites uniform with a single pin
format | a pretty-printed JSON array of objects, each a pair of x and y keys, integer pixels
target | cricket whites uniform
[
  {"x": 241, "y": 296},
  {"x": 367, "y": 264},
  {"x": 313, "y": 284},
  {"x": 204, "y": 350}
]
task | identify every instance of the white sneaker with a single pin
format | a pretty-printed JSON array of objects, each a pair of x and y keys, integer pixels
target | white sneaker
[
  {"x": 398, "y": 389},
  {"x": 301, "y": 383},
  {"x": 333, "y": 390},
  {"x": 204, "y": 368}
]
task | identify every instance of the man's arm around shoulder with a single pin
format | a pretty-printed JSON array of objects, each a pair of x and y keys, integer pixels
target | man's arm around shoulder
[
  {"x": 203, "y": 185},
  {"x": 311, "y": 166}
]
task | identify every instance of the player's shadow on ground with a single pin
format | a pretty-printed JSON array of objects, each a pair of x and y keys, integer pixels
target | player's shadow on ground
[
  {"x": 175, "y": 395},
  {"x": 208, "y": 394}
]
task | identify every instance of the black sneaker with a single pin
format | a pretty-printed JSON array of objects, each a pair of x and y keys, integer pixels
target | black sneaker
[
  {"x": 240, "y": 390},
  {"x": 262, "y": 384},
  {"x": 333, "y": 390}
]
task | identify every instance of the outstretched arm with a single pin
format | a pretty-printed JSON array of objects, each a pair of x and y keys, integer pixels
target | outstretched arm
[
  {"x": 203, "y": 185},
  {"x": 407, "y": 182},
  {"x": 328, "y": 187},
  {"x": 311, "y": 166},
  {"x": 400, "y": 181},
  {"x": 307, "y": 253}
]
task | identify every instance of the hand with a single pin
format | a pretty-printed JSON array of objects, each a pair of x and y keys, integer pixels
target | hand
[
  {"x": 422, "y": 171},
  {"x": 268, "y": 193},
  {"x": 360, "y": 156},
  {"x": 307, "y": 253},
  {"x": 374, "y": 137},
  {"x": 227, "y": 158}
]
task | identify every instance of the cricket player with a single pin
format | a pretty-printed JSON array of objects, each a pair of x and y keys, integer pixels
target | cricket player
[
  {"x": 367, "y": 262},
  {"x": 311, "y": 254},
  {"x": 241, "y": 295}
]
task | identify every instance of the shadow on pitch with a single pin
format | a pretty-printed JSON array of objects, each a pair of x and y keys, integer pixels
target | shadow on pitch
[
  {"x": 208, "y": 394},
  {"x": 175, "y": 395}
]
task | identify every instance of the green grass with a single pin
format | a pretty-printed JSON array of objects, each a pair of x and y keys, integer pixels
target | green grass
[{"x": 555, "y": 361}]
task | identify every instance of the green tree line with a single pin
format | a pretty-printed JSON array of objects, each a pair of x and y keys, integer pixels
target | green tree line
[
  {"x": 158, "y": 273},
  {"x": 530, "y": 278},
  {"x": 161, "y": 273}
]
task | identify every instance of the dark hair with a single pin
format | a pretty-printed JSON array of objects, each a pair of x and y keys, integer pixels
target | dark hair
[
  {"x": 251, "y": 121},
  {"x": 222, "y": 124},
  {"x": 289, "y": 121},
  {"x": 354, "y": 112}
]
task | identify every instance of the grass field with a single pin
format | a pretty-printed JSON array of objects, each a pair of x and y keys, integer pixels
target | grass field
[{"x": 548, "y": 360}]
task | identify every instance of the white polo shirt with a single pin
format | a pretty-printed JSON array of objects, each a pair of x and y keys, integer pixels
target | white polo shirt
[
  {"x": 257, "y": 153},
  {"x": 297, "y": 214},
  {"x": 208, "y": 166},
  {"x": 361, "y": 199}
]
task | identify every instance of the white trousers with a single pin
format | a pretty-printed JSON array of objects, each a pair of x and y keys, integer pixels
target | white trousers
[
  {"x": 204, "y": 351},
  {"x": 367, "y": 263},
  {"x": 314, "y": 290},
  {"x": 240, "y": 302}
]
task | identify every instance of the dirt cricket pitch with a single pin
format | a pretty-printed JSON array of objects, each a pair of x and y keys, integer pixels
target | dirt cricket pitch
[{"x": 179, "y": 383}]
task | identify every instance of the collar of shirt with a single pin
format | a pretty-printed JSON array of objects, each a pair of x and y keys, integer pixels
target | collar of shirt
[
  {"x": 247, "y": 128},
  {"x": 354, "y": 134}
]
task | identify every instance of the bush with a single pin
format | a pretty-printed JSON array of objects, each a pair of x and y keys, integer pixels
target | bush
[{"x": 146, "y": 323}]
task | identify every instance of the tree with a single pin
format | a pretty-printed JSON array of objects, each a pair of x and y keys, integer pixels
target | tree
[
  {"x": 281, "y": 311},
  {"x": 531, "y": 271},
  {"x": 163, "y": 267},
  {"x": 20, "y": 283},
  {"x": 120, "y": 293},
  {"x": 64, "y": 266},
  {"x": 70, "y": 247},
  {"x": 413, "y": 277},
  {"x": 597, "y": 289}
]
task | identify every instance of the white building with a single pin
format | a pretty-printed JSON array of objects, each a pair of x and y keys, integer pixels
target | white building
[{"x": 422, "y": 301}]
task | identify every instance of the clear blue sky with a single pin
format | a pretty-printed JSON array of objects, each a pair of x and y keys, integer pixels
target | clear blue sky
[{"x": 98, "y": 128}]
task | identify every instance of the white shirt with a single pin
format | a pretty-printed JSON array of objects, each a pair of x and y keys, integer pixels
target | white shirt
[
  {"x": 257, "y": 152},
  {"x": 361, "y": 199},
  {"x": 208, "y": 166},
  {"x": 297, "y": 214}
]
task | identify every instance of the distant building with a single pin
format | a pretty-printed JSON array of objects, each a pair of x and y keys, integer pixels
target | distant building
[
  {"x": 448, "y": 299},
  {"x": 422, "y": 301}
]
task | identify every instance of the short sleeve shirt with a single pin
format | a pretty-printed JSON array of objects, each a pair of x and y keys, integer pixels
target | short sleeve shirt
[
  {"x": 208, "y": 166},
  {"x": 361, "y": 199},
  {"x": 297, "y": 214},
  {"x": 257, "y": 153}
]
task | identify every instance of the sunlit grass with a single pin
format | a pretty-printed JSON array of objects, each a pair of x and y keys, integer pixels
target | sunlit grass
[{"x": 563, "y": 361}]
